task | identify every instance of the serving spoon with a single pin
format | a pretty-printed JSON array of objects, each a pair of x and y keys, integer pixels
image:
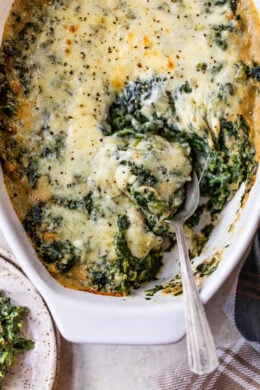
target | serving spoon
[{"x": 200, "y": 343}]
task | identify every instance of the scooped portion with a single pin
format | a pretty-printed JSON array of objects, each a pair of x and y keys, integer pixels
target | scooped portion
[{"x": 153, "y": 173}]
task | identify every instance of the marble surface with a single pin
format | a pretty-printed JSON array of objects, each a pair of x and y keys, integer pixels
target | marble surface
[{"x": 117, "y": 367}]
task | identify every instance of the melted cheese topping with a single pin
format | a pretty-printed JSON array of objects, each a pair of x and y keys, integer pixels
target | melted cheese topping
[{"x": 82, "y": 55}]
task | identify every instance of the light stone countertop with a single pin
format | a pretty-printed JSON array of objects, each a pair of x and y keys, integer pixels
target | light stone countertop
[{"x": 123, "y": 367}]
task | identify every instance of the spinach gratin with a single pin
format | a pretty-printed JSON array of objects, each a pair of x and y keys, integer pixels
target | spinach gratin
[
  {"x": 105, "y": 109},
  {"x": 12, "y": 342}
]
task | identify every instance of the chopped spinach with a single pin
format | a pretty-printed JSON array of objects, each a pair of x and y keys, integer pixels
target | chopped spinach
[
  {"x": 31, "y": 172},
  {"x": 195, "y": 218},
  {"x": 32, "y": 222},
  {"x": 123, "y": 222},
  {"x": 12, "y": 341},
  {"x": 99, "y": 275},
  {"x": 185, "y": 88},
  {"x": 201, "y": 67},
  {"x": 86, "y": 203},
  {"x": 38, "y": 222},
  {"x": 144, "y": 175},
  {"x": 174, "y": 286},
  {"x": 8, "y": 98},
  {"x": 22, "y": 158},
  {"x": 220, "y": 2},
  {"x": 254, "y": 73},
  {"x": 223, "y": 27},
  {"x": 62, "y": 253},
  {"x": 148, "y": 201},
  {"x": 33, "y": 218},
  {"x": 127, "y": 271},
  {"x": 126, "y": 116},
  {"x": 228, "y": 164},
  {"x": 217, "y": 67},
  {"x": 246, "y": 71},
  {"x": 219, "y": 36},
  {"x": 225, "y": 91},
  {"x": 232, "y": 4},
  {"x": 52, "y": 149},
  {"x": 15, "y": 50}
]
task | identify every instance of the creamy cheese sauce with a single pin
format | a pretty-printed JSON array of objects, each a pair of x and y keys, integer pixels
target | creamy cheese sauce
[
  {"x": 169, "y": 174},
  {"x": 78, "y": 57}
]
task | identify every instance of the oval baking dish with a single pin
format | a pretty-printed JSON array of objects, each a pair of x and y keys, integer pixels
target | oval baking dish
[{"x": 139, "y": 318}]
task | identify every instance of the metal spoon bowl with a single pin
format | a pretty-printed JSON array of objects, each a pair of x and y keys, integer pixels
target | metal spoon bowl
[{"x": 200, "y": 343}]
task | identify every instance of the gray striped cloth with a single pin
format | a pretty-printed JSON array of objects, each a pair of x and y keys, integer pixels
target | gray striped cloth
[
  {"x": 239, "y": 367},
  {"x": 243, "y": 304}
]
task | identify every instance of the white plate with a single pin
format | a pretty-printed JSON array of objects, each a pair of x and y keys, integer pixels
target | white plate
[{"x": 34, "y": 369}]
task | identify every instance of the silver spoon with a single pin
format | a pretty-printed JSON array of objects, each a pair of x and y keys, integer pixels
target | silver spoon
[{"x": 200, "y": 343}]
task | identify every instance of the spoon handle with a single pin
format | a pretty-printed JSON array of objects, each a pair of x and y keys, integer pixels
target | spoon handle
[{"x": 200, "y": 343}]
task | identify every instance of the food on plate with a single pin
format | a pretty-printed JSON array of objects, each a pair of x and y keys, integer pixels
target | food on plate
[
  {"x": 12, "y": 341},
  {"x": 105, "y": 109}
]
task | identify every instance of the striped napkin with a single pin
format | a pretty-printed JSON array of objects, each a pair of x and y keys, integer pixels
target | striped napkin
[
  {"x": 239, "y": 367},
  {"x": 243, "y": 304}
]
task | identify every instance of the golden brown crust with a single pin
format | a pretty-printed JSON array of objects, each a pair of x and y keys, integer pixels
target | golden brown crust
[{"x": 250, "y": 51}]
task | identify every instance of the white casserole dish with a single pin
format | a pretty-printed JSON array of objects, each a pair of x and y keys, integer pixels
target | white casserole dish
[{"x": 84, "y": 317}]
